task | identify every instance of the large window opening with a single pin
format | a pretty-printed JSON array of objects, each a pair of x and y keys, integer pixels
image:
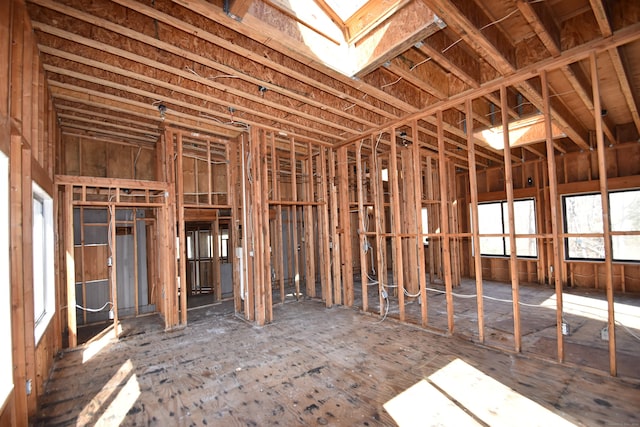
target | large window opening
[
  {"x": 6, "y": 361},
  {"x": 43, "y": 274},
  {"x": 493, "y": 218},
  {"x": 583, "y": 218}
]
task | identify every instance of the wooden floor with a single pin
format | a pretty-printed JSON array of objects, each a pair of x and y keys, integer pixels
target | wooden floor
[{"x": 318, "y": 366}]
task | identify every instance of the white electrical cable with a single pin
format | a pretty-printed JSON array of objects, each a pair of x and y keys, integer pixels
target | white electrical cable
[
  {"x": 483, "y": 296},
  {"x": 94, "y": 310},
  {"x": 386, "y": 309},
  {"x": 628, "y": 330},
  {"x": 406, "y": 293}
]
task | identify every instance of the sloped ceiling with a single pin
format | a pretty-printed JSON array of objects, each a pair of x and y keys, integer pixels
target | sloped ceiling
[{"x": 217, "y": 66}]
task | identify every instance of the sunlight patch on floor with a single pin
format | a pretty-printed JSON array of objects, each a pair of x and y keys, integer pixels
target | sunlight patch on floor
[
  {"x": 120, "y": 406},
  {"x": 422, "y": 404},
  {"x": 98, "y": 403},
  {"x": 596, "y": 308},
  {"x": 459, "y": 394},
  {"x": 96, "y": 346}
]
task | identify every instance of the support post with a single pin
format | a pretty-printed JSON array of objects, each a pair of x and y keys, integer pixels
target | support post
[
  {"x": 345, "y": 225},
  {"x": 417, "y": 188},
  {"x": 362, "y": 237},
  {"x": 513, "y": 260},
  {"x": 553, "y": 206},
  {"x": 395, "y": 221},
  {"x": 444, "y": 222},
  {"x": 604, "y": 193},
  {"x": 473, "y": 186},
  {"x": 181, "y": 230}
]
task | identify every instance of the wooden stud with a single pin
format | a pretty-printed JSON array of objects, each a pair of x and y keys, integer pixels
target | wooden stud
[
  {"x": 513, "y": 260},
  {"x": 432, "y": 214},
  {"x": 216, "y": 282},
  {"x": 556, "y": 241},
  {"x": 18, "y": 302},
  {"x": 417, "y": 188},
  {"x": 113, "y": 277},
  {"x": 294, "y": 221},
  {"x": 310, "y": 274},
  {"x": 475, "y": 226},
  {"x": 345, "y": 225},
  {"x": 604, "y": 192},
  {"x": 333, "y": 225},
  {"x": 252, "y": 298},
  {"x": 444, "y": 223},
  {"x": 236, "y": 176},
  {"x": 409, "y": 223},
  {"x": 279, "y": 248},
  {"x": 136, "y": 273},
  {"x": 182, "y": 263},
  {"x": 209, "y": 176},
  {"x": 375, "y": 177},
  {"x": 171, "y": 289},
  {"x": 324, "y": 225},
  {"x": 395, "y": 222},
  {"x": 265, "y": 232},
  {"x": 362, "y": 237}
]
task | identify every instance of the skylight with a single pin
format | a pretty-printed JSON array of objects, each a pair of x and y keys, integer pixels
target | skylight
[{"x": 345, "y": 9}]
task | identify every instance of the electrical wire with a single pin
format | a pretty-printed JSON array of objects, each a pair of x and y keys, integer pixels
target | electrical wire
[
  {"x": 628, "y": 330},
  {"x": 386, "y": 309},
  {"x": 497, "y": 21},
  {"x": 94, "y": 310}
]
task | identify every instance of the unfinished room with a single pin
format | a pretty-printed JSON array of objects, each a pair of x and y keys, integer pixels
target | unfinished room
[{"x": 320, "y": 212}]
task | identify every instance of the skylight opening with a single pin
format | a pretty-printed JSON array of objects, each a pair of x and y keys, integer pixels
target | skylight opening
[{"x": 345, "y": 9}]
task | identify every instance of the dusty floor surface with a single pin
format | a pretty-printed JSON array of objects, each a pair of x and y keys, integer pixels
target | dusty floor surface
[{"x": 318, "y": 366}]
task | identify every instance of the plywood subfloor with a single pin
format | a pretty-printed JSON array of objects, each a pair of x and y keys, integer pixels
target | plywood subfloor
[
  {"x": 318, "y": 366},
  {"x": 585, "y": 310}
]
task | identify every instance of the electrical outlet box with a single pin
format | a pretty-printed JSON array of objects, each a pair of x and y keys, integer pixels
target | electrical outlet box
[{"x": 604, "y": 333}]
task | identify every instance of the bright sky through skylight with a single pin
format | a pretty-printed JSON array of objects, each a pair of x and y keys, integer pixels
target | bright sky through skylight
[{"x": 345, "y": 8}]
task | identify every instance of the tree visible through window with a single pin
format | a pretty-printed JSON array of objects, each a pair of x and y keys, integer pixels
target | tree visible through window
[
  {"x": 493, "y": 218},
  {"x": 583, "y": 215}
]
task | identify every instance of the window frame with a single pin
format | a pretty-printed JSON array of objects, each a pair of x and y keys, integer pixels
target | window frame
[
  {"x": 6, "y": 368},
  {"x": 613, "y": 236},
  {"x": 43, "y": 319},
  {"x": 504, "y": 224}
]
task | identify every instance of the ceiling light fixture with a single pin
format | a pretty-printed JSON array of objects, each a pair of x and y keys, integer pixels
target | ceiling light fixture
[{"x": 162, "y": 109}]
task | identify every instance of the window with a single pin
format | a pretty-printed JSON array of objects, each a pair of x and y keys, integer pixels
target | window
[
  {"x": 493, "y": 218},
  {"x": 625, "y": 216},
  {"x": 6, "y": 363},
  {"x": 425, "y": 226},
  {"x": 43, "y": 277},
  {"x": 583, "y": 215},
  {"x": 223, "y": 244}
]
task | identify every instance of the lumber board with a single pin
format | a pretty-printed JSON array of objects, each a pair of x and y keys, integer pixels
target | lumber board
[
  {"x": 604, "y": 192},
  {"x": 475, "y": 226},
  {"x": 554, "y": 217},
  {"x": 513, "y": 262},
  {"x": 396, "y": 225},
  {"x": 444, "y": 224},
  {"x": 345, "y": 225},
  {"x": 336, "y": 248}
]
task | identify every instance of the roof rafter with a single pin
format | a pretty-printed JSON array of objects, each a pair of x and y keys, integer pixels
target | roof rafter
[
  {"x": 601, "y": 16},
  {"x": 478, "y": 31}
]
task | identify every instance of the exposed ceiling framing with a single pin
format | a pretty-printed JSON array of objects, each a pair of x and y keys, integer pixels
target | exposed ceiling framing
[{"x": 219, "y": 66}]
